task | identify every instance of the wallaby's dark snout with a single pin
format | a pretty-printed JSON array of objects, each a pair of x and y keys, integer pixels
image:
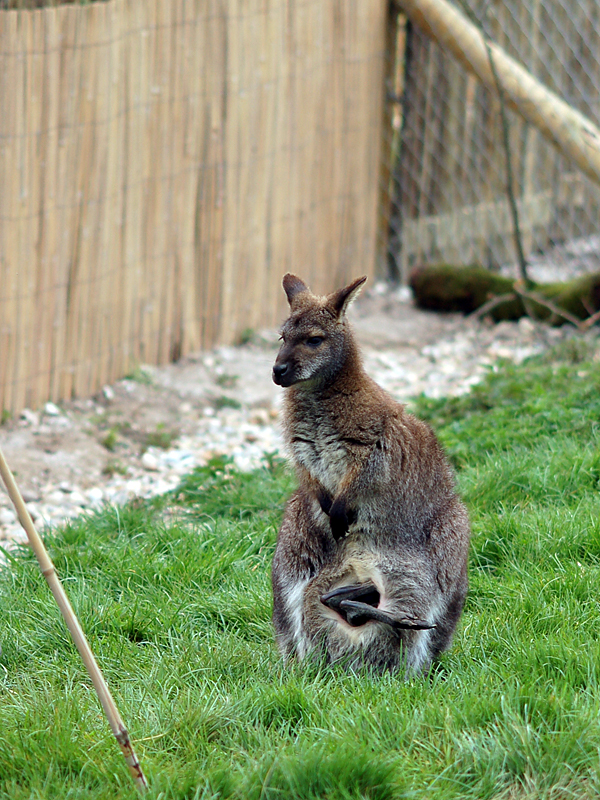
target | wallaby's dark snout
[
  {"x": 371, "y": 560},
  {"x": 280, "y": 371}
]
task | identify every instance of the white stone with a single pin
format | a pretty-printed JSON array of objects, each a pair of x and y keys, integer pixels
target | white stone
[
  {"x": 73, "y": 511},
  {"x": 30, "y": 417},
  {"x": 526, "y": 325},
  {"x": 51, "y": 410},
  {"x": 95, "y": 495},
  {"x": 34, "y": 511},
  {"x": 55, "y": 498},
  {"x": 149, "y": 462},
  {"x": 77, "y": 498},
  {"x": 7, "y": 517},
  {"x": 120, "y": 498},
  {"x": 108, "y": 392},
  {"x": 16, "y": 534},
  {"x": 133, "y": 486}
]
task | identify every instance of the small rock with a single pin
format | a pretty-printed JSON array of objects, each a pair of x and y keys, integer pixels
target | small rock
[
  {"x": 30, "y": 417},
  {"x": 133, "y": 486},
  {"x": 526, "y": 325},
  {"x": 51, "y": 410},
  {"x": 61, "y": 422},
  {"x": 16, "y": 534},
  {"x": 55, "y": 498},
  {"x": 120, "y": 498},
  {"x": 7, "y": 517},
  {"x": 72, "y": 512},
  {"x": 77, "y": 499},
  {"x": 95, "y": 495},
  {"x": 149, "y": 462},
  {"x": 108, "y": 392}
]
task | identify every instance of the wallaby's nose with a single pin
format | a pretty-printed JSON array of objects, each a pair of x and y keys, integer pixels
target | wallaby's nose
[{"x": 279, "y": 370}]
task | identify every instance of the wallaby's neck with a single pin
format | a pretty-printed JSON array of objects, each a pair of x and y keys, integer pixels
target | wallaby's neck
[{"x": 351, "y": 375}]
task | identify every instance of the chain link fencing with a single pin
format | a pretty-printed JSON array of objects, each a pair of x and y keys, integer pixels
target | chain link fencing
[{"x": 445, "y": 195}]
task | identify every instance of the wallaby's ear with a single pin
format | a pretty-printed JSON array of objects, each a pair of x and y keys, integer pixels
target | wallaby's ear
[
  {"x": 292, "y": 286},
  {"x": 342, "y": 299}
]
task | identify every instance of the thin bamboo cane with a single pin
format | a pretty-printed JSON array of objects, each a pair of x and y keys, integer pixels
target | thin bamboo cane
[{"x": 48, "y": 571}]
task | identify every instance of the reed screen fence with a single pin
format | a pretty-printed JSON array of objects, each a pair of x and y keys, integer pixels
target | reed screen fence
[{"x": 163, "y": 163}]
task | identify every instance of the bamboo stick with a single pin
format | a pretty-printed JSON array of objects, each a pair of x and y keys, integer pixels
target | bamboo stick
[
  {"x": 572, "y": 132},
  {"x": 48, "y": 571}
]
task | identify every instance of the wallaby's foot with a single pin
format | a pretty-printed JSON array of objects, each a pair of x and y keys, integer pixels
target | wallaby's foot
[
  {"x": 360, "y": 613},
  {"x": 365, "y": 592},
  {"x": 358, "y": 605}
]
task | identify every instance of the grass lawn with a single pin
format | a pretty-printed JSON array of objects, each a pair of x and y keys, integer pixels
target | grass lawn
[{"x": 175, "y": 597}]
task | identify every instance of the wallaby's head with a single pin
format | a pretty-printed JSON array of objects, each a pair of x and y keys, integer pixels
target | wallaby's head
[{"x": 316, "y": 340}]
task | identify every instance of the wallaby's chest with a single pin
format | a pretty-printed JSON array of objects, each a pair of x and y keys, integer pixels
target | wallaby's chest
[{"x": 317, "y": 445}]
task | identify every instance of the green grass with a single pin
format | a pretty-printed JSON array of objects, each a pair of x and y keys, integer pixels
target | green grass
[{"x": 175, "y": 598}]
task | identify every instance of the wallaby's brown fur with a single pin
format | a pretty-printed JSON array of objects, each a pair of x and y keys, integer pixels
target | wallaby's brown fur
[{"x": 371, "y": 559}]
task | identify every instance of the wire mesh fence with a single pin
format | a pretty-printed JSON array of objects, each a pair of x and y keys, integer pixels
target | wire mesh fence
[{"x": 447, "y": 195}]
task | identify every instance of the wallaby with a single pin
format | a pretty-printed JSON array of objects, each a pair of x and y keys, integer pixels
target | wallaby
[{"x": 371, "y": 560}]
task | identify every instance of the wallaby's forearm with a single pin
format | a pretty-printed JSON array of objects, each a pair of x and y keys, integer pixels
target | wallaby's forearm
[{"x": 360, "y": 484}]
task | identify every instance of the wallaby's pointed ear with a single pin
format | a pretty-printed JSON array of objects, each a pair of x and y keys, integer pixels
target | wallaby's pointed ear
[
  {"x": 342, "y": 299},
  {"x": 293, "y": 285}
]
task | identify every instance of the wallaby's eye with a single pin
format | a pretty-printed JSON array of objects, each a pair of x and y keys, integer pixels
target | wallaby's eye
[{"x": 314, "y": 341}]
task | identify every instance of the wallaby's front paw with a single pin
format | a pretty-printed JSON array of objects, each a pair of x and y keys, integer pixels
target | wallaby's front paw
[
  {"x": 340, "y": 518},
  {"x": 325, "y": 500}
]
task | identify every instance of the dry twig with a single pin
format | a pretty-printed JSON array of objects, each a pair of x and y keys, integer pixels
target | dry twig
[
  {"x": 542, "y": 301},
  {"x": 494, "y": 301},
  {"x": 591, "y": 320}
]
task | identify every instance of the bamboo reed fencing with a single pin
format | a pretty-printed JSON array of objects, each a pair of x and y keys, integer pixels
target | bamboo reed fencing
[
  {"x": 163, "y": 163},
  {"x": 449, "y": 184}
]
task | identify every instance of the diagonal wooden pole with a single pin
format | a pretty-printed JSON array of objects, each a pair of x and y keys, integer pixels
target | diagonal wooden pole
[{"x": 108, "y": 704}]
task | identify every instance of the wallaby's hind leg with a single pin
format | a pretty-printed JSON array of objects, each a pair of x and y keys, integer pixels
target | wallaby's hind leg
[{"x": 358, "y": 604}]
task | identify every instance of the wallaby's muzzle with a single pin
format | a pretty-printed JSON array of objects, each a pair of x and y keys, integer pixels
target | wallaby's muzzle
[{"x": 280, "y": 372}]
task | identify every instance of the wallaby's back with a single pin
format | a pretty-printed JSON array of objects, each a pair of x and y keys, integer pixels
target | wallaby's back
[{"x": 370, "y": 564}]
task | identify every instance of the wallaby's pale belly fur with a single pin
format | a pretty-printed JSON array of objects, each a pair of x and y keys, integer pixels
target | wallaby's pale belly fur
[{"x": 370, "y": 564}]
